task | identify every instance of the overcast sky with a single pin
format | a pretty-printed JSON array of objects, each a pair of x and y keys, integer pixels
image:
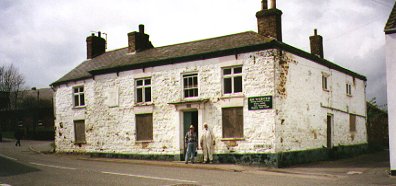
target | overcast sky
[{"x": 45, "y": 39}]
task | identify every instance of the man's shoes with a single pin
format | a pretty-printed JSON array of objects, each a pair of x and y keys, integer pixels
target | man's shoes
[
  {"x": 211, "y": 162},
  {"x": 186, "y": 162}
]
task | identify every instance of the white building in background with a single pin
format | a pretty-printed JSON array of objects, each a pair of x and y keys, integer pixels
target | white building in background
[
  {"x": 390, "y": 39},
  {"x": 266, "y": 102}
]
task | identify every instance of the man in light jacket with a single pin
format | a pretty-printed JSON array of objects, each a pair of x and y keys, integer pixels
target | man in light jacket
[{"x": 207, "y": 143}]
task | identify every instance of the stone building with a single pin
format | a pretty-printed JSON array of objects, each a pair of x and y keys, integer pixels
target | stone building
[
  {"x": 266, "y": 102},
  {"x": 390, "y": 39}
]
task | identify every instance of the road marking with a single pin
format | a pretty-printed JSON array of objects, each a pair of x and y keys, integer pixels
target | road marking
[
  {"x": 4, "y": 156},
  {"x": 149, "y": 177},
  {"x": 53, "y": 166}
]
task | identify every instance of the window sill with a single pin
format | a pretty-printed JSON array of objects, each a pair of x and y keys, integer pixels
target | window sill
[
  {"x": 143, "y": 104},
  {"x": 227, "y": 96},
  {"x": 349, "y": 95},
  {"x": 326, "y": 90},
  {"x": 232, "y": 139},
  {"x": 144, "y": 141},
  {"x": 80, "y": 143},
  {"x": 79, "y": 107}
]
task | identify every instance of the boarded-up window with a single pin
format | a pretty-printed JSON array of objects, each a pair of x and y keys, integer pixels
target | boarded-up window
[
  {"x": 352, "y": 123},
  {"x": 144, "y": 127},
  {"x": 232, "y": 122},
  {"x": 79, "y": 132}
]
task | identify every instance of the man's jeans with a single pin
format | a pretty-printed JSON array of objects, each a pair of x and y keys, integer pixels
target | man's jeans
[{"x": 190, "y": 151}]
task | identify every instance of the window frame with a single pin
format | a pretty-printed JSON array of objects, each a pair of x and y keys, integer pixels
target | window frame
[
  {"x": 348, "y": 87},
  {"x": 186, "y": 76},
  {"x": 232, "y": 76},
  {"x": 151, "y": 132},
  {"x": 325, "y": 82},
  {"x": 143, "y": 87},
  {"x": 79, "y": 94}
]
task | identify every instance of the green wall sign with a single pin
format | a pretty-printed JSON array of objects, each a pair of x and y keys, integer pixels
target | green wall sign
[{"x": 260, "y": 103}]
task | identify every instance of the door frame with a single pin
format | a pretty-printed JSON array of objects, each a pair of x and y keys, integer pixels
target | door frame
[{"x": 329, "y": 131}]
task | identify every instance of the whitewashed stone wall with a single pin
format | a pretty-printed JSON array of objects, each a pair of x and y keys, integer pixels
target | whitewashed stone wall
[
  {"x": 110, "y": 107},
  {"x": 391, "y": 86},
  {"x": 303, "y": 106}
]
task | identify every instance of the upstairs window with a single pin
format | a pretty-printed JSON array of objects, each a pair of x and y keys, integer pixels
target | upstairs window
[
  {"x": 232, "y": 80},
  {"x": 78, "y": 95},
  {"x": 143, "y": 90},
  {"x": 348, "y": 89},
  {"x": 190, "y": 85},
  {"x": 325, "y": 85}
]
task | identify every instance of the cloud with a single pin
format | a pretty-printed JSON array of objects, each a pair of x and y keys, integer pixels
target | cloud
[{"x": 45, "y": 39}]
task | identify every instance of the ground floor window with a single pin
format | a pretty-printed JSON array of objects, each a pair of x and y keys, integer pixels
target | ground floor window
[
  {"x": 144, "y": 127},
  {"x": 79, "y": 132},
  {"x": 352, "y": 123},
  {"x": 232, "y": 122}
]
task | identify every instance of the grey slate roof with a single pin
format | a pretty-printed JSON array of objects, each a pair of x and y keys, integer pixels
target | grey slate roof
[
  {"x": 120, "y": 60},
  {"x": 390, "y": 26}
]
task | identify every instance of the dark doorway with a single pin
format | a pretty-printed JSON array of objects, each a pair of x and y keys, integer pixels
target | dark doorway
[
  {"x": 329, "y": 131},
  {"x": 189, "y": 118}
]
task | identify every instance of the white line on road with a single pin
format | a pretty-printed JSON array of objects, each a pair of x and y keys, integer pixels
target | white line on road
[
  {"x": 4, "y": 156},
  {"x": 53, "y": 166},
  {"x": 149, "y": 177}
]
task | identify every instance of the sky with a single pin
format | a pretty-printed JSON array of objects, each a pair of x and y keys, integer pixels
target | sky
[{"x": 45, "y": 39}]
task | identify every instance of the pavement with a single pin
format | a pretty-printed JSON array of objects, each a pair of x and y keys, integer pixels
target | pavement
[{"x": 376, "y": 163}]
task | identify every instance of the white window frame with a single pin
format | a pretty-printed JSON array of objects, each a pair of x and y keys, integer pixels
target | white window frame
[
  {"x": 232, "y": 76},
  {"x": 348, "y": 87},
  {"x": 143, "y": 87},
  {"x": 79, "y": 94},
  {"x": 190, "y": 76},
  {"x": 325, "y": 82}
]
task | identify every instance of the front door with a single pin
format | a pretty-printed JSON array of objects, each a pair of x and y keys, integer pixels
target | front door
[{"x": 189, "y": 118}]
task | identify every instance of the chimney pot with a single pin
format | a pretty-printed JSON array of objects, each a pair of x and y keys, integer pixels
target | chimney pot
[
  {"x": 316, "y": 32},
  {"x": 141, "y": 28},
  {"x": 273, "y": 4},
  {"x": 264, "y": 4},
  {"x": 99, "y": 34}
]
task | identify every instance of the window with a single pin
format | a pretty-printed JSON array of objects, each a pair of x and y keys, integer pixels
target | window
[
  {"x": 352, "y": 123},
  {"x": 78, "y": 94},
  {"x": 232, "y": 122},
  {"x": 143, "y": 90},
  {"x": 348, "y": 89},
  {"x": 79, "y": 132},
  {"x": 190, "y": 85},
  {"x": 144, "y": 127},
  {"x": 232, "y": 80},
  {"x": 324, "y": 83}
]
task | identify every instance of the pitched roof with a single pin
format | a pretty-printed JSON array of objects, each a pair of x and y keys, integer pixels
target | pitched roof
[
  {"x": 121, "y": 60},
  {"x": 390, "y": 26}
]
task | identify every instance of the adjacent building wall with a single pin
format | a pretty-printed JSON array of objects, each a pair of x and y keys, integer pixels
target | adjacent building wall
[{"x": 391, "y": 86}]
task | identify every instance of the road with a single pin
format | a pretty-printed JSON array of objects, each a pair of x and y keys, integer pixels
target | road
[{"x": 21, "y": 166}]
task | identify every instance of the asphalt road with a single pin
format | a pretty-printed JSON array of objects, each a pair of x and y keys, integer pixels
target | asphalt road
[{"x": 21, "y": 166}]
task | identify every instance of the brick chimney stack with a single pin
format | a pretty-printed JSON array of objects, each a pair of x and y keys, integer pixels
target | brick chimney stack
[
  {"x": 316, "y": 42},
  {"x": 96, "y": 45},
  {"x": 269, "y": 20},
  {"x": 138, "y": 41}
]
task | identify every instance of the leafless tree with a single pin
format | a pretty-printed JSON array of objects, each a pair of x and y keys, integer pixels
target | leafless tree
[{"x": 11, "y": 82}]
